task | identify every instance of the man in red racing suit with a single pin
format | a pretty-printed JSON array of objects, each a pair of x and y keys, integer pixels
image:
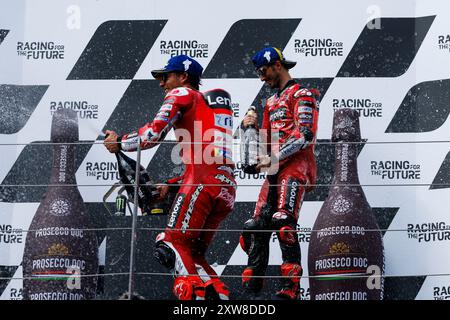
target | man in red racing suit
[
  {"x": 289, "y": 126},
  {"x": 203, "y": 125}
]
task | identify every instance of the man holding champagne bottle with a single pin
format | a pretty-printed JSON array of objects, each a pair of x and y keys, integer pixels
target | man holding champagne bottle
[
  {"x": 289, "y": 126},
  {"x": 203, "y": 123}
]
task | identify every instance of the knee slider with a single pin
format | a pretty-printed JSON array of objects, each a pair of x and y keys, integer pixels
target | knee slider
[
  {"x": 249, "y": 226},
  {"x": 288, "y": 235},
  {"x": 165, "y": 255},
  {"x": 253, "y": 224},
  {"x": 292, "y": 270},
  {"x": 286, "y": 226}
]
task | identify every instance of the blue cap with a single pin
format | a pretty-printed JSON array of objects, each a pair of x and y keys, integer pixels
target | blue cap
[
  {"x": 269, "y": 55},
  {"x": 181, "y": 63}
]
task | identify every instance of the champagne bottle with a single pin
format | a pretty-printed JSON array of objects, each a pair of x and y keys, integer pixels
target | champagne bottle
[
  {"x": 59, "y": 248},
  {"x": 147, "y": 192},
  {"x": 346, "y": 256},
  {"x": 249, "y": 146}
]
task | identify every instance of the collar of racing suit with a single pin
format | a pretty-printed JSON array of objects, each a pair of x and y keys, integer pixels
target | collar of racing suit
[{"x": 287, "y": 85}]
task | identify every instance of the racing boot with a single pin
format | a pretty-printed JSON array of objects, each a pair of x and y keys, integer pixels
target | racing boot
[
  {"x": 216, "y": 290},
  {"x": 291, "y": 284},
  {"x": 189, "y": 288}
]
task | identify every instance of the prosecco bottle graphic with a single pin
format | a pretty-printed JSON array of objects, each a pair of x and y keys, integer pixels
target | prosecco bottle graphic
[
  {"x": 346, "y": 256},
  {"x": 60, "y": 248}
]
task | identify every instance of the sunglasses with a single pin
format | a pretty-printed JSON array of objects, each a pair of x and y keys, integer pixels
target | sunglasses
[
  {"x": 166, "y": 76},
  {"x": 262, "y": 70}
]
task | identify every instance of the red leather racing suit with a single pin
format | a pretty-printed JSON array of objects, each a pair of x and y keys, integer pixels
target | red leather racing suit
[
  {"x": 203, "y": 125},
  {"x": 290, "y": 120}
]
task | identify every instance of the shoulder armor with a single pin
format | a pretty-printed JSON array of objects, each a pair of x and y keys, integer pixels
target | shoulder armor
[
  {"x": 178, "y": 92},
  {"x": 303, "y": 92}
]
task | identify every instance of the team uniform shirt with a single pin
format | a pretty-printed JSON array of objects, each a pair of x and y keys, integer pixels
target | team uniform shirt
[
  {"x": 204, "y": 130},
  {"x": 290, "y": 119}
]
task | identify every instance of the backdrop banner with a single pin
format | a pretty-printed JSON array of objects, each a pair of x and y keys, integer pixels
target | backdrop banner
[{"x": 386, "y": 59}]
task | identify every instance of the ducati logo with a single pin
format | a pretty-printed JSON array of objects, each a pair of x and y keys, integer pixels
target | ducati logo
[{"x": 187, "y": 63}]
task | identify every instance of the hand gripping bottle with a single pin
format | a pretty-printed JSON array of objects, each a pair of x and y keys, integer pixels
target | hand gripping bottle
[
  {"x": 346, "y": 256},
  {"x": 60, "y": 260},
  {"x": 147, "y": 192},
  {"x": 249, "y": 146}
]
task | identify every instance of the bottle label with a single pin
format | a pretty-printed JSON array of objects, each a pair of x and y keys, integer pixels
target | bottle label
[
  {"x": 62, "y": 163},
  {"x": 341, "y": 230},
  {"x": 252, "y": 152},
  {"x": 59, "y": 231},
  {"x": 249, "y": 148},
  {"x": 344, "y": 163},
  {"x": 341, "y": 205},
  {"x": 47, "y": 266},
  {"x": 60, "y": 207},
  {"x": 55, "y": 271},
  {"x": 342, "y": 295},
  {"x": 56, "y": 296}
]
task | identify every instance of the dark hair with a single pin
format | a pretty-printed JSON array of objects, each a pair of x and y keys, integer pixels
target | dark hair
[{"x": 194, "y": 81}]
